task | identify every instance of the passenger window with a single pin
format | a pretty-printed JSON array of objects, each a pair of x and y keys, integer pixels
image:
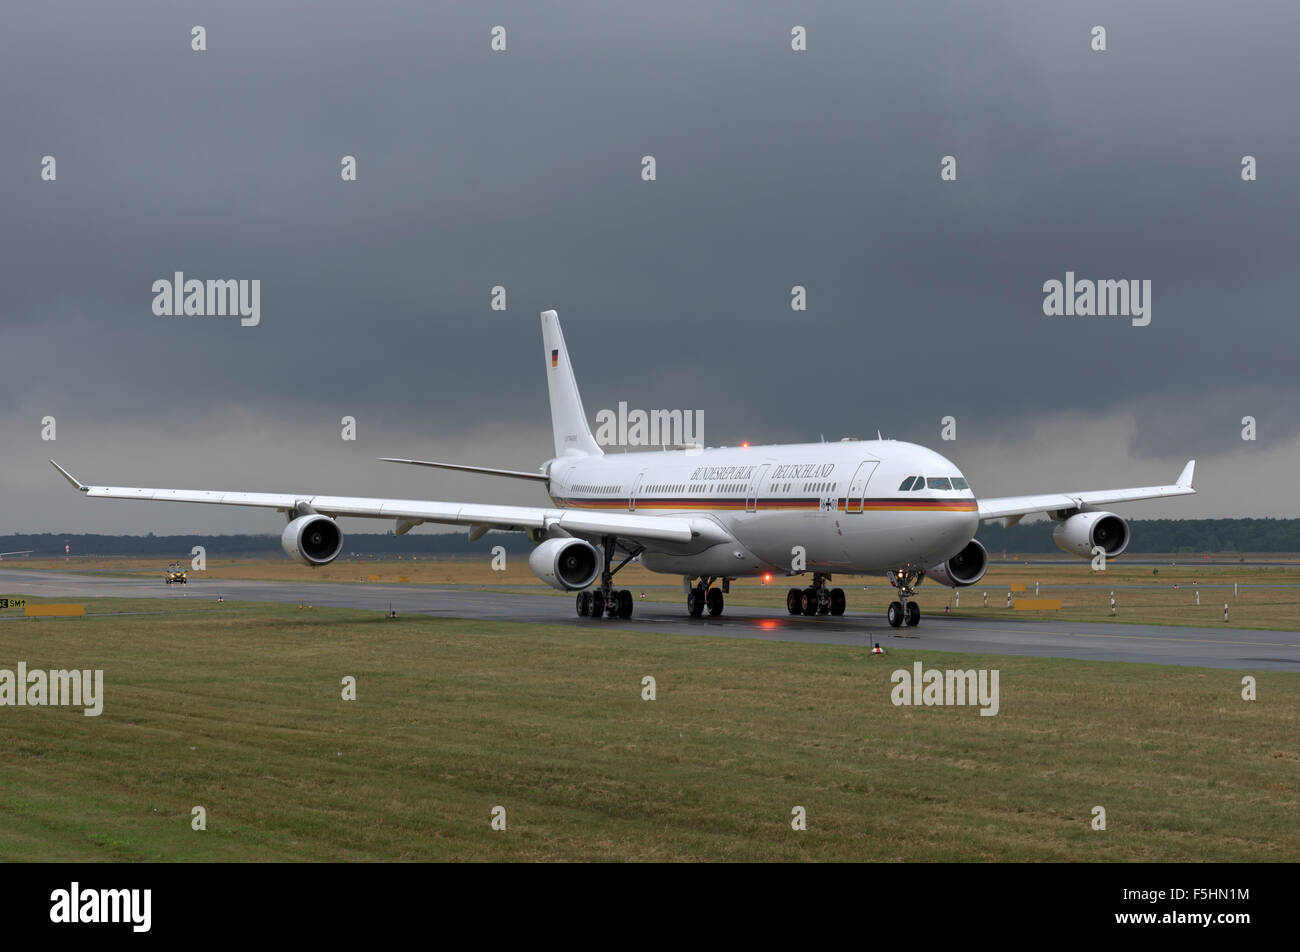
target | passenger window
[{"x": 938, "y": 482}]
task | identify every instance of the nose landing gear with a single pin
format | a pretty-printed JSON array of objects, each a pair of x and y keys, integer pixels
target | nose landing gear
[{"x": 903, "y": 611}]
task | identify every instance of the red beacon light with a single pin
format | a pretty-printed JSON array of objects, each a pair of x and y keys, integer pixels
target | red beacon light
[{"x": 744, "y": 445}]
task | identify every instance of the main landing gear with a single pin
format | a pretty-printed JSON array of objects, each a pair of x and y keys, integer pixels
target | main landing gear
[
  {"x": 903, "y": 611},
  {"x": 594, "y": 604},
  {"x": 607, "y": 600},
  {"x": 703, "y": 595},
  {"x": 817, "y": 600}
]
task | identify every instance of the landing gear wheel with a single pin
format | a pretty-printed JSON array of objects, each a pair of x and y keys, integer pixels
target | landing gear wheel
[
  {"x": 809, "y": 602},
  {"x": 597, "y": 603},
  {"x": 895, "y": 614},
  {"x": 624, "y": 604},
  {"x": 794, "y": 601},
  {"x": 714, "y": 600},
  {"x": 584, "y": 604},
  {"x": 913, "y": 614},
  {"x": 838, "y": 601},
  {"x": 695, "y": 603}
]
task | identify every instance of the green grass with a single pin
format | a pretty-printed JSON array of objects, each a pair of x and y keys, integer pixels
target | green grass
[{"x": 237, "y": 708}]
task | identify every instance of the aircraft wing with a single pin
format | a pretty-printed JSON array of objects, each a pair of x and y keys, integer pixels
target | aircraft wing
[
  {"x": 1011, "y": 508},
  {"x": 414, "y": 511}
]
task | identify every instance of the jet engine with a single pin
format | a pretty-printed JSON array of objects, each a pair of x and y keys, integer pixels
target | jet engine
[
  {"x": 965, "y": 568},
  {"x": 312, "y": 540},
  {"x": 566, "y": 564},
  {"x": 1081, "y": 532}
]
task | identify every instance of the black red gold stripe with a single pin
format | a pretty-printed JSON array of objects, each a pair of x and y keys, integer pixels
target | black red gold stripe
[
  {"x": 899, "y": 504},
  {"x": 807, "y": 504}
]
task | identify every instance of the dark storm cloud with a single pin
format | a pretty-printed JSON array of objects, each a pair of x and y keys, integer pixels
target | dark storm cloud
[{"x": 522, "y": 169}]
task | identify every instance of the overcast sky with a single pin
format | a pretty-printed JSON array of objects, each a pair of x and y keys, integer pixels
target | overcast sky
[{"x": 523, "y": 169}]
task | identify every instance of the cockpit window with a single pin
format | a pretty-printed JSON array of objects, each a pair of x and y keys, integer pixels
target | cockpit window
[
  {"x": 938, "y": 482},
  {"x": 959, "y": 483},
  {"x": 907, "y": 484},
  {"x": 918, "y": 483}
]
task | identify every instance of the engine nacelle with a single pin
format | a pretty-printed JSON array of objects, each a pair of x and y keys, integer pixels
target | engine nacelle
[
  {"x": 965, "y": 568},
  {"x": 312, "y": 540},
  {"x": 1084, "y": 530},
  {"x": 566, "y": 564}
]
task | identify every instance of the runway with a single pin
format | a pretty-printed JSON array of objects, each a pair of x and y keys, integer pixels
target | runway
[{"x": 1237, "y": 648}]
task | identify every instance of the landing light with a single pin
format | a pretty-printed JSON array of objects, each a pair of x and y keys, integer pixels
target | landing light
[{"x": 745, "y": 445}]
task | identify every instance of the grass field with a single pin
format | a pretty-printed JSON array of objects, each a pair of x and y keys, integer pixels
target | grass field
[
  {"x": 237, "y": 708},
  {"x": 1268, "y": 597}
]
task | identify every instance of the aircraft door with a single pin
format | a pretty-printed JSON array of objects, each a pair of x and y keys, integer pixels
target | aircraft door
[
  {"x": 755, "y": 487},
  {"x": 636, "y": 489},
  {"x": 858, "y": 486}
]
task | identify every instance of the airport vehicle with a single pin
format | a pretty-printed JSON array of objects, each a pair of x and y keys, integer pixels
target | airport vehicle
[
  {"x": 712, "y": 515},
  {"x": 175, "y": 574}
]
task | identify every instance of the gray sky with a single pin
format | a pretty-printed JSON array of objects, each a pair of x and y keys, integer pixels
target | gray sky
[{"x": 522, "y": 169}]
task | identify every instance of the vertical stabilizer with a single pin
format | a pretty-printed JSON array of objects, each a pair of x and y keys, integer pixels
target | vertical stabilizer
[{"x": 568, "y": 419}]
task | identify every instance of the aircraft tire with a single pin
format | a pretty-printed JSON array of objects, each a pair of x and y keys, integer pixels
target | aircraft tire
[{"x": 895, "y": 614}]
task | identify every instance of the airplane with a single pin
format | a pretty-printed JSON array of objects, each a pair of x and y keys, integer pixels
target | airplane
[
  {"x": 712, "y": 515},
  {"x": 19, "y": 552}
]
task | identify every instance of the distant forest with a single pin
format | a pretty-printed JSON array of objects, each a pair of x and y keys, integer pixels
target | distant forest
[
  {"x": 1187, "y": 536},
  {"x": 1199, "y": 536}
]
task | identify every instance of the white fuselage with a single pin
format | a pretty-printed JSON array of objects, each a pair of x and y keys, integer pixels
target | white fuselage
[{"x": 840, "y": 502}]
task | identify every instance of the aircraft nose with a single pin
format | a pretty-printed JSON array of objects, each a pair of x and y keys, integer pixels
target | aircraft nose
[
  {"x": 957, "y": 526},
  {"x": 960, "y": 525}
]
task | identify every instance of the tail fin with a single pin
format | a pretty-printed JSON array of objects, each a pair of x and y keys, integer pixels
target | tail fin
[{"x": 568, "y": 419}]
